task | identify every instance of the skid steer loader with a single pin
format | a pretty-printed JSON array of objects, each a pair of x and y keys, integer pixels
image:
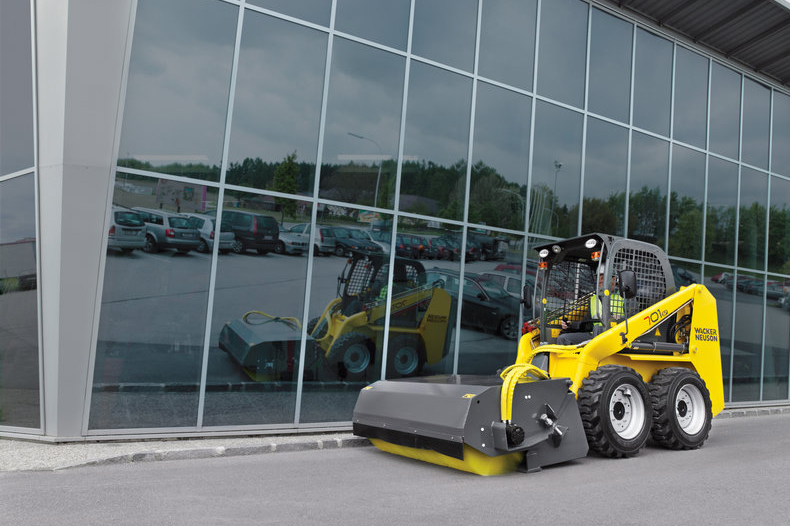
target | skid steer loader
[{"x": 648, "y": 363}]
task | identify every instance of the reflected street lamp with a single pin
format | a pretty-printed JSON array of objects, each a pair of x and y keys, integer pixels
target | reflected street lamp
[
  {"x": 557, "y": 168},
  {"x": 520, "y": 198},
  {"x": 381, "y": 161}
]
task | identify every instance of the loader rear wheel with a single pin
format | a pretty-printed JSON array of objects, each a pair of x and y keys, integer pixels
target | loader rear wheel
[
  {"x": 614, "y": 406},
  {"x": 681, "y": 408},
  {"x": 352, "y": 352},
  {"x": 405, "y": 356}
]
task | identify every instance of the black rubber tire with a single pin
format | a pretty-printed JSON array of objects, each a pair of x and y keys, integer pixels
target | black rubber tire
[
  {"x": 614, "y": 406},
  {"x": 340, "y": 251},
  {"x": 311, "y": 325},
  {"x": 681, "y": 408},
  {"x": 279, "y": 248},
  {"x": 405, "y": 356},
  {"x": 150, "y": 246},
  {"x": 509, "y": 328},
  {"x": 352, "y": 354},
  {"x": 203, "y": 247}
]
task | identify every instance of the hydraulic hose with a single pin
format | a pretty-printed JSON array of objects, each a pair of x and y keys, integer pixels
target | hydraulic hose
[{"x": 515, "y": 374}]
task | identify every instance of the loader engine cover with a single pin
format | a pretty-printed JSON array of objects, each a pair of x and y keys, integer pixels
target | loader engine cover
[{"x": 455, "y": 421}]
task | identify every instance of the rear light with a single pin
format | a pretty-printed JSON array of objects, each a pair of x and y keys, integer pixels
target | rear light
[
  {"x": 254, "y": 225},
  {"x": 170, "y": 233},
  {"x": 321, "y": 236},
  {"x": 112, "y": 230},
  {"x": 211, "y": 235}
]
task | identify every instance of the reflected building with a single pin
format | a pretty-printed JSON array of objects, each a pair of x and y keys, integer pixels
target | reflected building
[{"x": 223, "y": 216}]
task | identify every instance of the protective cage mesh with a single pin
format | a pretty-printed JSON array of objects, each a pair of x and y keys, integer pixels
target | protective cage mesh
[
  {"x": 568, "y": 290},
  {"x": 651, "y": 283}
]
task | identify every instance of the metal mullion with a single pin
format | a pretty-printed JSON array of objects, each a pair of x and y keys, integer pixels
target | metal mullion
[
  {"x": 584, "y": 123},
  {"x": 671, "y": 145},
  {"x": 630, "y": 134}
]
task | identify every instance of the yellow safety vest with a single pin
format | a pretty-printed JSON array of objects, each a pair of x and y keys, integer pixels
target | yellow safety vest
[{"x": 616, "y": 305}]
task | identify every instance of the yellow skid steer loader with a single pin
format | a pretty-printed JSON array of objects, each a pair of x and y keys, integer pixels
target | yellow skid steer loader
[{"x": 614, "y": 355}]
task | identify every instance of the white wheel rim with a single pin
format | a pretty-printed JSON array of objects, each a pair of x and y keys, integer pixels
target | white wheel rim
[
  {"x": 627, "y": 412},
  {"x": 690, "y": 409},
  {"x": 406, "y": 360},
  {"x": 356, "y": 358}
]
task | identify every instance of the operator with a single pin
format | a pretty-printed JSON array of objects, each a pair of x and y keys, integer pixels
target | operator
[{"x": 616, "y": 305}]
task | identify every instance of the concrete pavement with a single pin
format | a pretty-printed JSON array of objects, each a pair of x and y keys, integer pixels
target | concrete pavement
[{"x": 22, "y": 455}]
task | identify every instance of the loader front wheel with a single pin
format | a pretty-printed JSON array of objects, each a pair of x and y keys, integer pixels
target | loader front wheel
[
  {"x": 405, "y": 356},
  {"x": 681, "y": 408},
  {"x": 352, "y": 352},
  {"x": 614, "y": 406}
]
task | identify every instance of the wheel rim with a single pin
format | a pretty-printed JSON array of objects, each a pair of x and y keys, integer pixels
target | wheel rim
[
  {"x": 356, "y": 358},
  {"x": 509, "y": 329},
  {"x": 237, "y": 247},
  {"x": 690, "y": 409},
  {"x": 627, "y": 412},
  {"x": 406, "y": 360}
]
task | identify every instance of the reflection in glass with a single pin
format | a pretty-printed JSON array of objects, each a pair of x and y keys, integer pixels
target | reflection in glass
[
  {"x": 563, "y": 51},
  {"x": 725, "y": 110},
  {"x": 433, "y": 180},
  {"x": 501, "y": 158},
  {"x": 16, "y": 87},
  {"x": 691, "y": 97},
  {"x": 747, "y": 347},
  {"x": 652, "y": 82},
  {"x": 605, "y": 173},
  {"x": 347, "y": 313},
  {"x": 722, "y": 209},
  {"x": 382, "y": 21},
  {"x": 756, "y": 123},
  {"x": 719, "y": 281},
  {"x": 556, "y": 171},
  {"x": 685, "y": 273},
  {"x": 152, "y": 323},
  {"x": 779, "y": 226},
  {"x": 751, "y": 226},
  {"x": 780, "y": 134},
  {"x": 507, "y": 41},
  {"x": 490, "y": 310},
  {"x": 647, "y": 202},
  {"x": 255, "y": 338},
  {"x": 178, "y": 87},
  {"x": 277, "y": 105},
  {"x": 610, "y": 66},
  {"x": 686, "y": 201},
  {"x": 316, "y": 11},
  {"x": 19, "y": 368},
  {"x": 424, "y": 300},
  {"x": 777, "y": 339},
  {"x": 444, "y": 31},
  {"x": 362, "y": 125}
]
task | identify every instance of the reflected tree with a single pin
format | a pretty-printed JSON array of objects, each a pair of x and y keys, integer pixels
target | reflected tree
[{"x": 285, "y": 181}]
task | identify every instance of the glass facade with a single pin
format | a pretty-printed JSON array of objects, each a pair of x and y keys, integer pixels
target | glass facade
[{"x": 318, "y": 205}]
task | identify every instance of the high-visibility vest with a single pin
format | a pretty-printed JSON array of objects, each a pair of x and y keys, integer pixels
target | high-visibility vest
[{"x": 616, "y": 305}]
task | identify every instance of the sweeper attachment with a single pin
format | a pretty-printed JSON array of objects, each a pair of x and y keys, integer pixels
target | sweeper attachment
[{"x": 614, "y": 355}]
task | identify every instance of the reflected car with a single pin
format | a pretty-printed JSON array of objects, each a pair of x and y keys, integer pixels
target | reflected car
[
  {"x": 127, "y": 230},
  {"x": 443, "y": 249},
  {"x": 291, "y": 243},
  {"x": 486, "y": 305},
  {"x": 409, "y": 246},
  {"x": 252, "y": 231},
  {"x": 510, "y": 282},
  {"x": 489, "y": 247},
  {"x": 167, "y": 230},
  {"x": 721, "y": 278},
  {"x": 348, "y": 239},
  {"x": 384, "y": 245},
  {"x": 323, "y": 238},
  {"x": 206, "y": 225}
]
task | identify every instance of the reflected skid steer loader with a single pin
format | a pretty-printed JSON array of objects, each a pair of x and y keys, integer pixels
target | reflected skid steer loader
[{"x": 650, "y": 365}]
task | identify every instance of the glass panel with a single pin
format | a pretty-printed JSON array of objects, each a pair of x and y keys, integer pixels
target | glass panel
[
  {"x": 756, "y": 123},
  {"x": 725, "y": 110},
  {"x": 779, "y": 227},
  {"x": 685, "y": 273},
  {"x": 507, "y": 41},
  {"x": 346, "y": 316},
  {"x": 444, "y": 31},
  {"x": 433, "y": 180},
  {"x": 278, "y": 102},
  {"x": 719, "y": 282},
  {"x": 19, "y": 369},
  {"x": 747, "y": 349},
  {"x": 777, "y": 338},
  {"x": 686, "y": 203},
  {"x": 256, "y": 324},
  {"x": 425, "y": 298},
  {"x": 610, "y": 66},
  {"x": 501, "y": 158},
  {"x": 16, "y": 87},
  {"x": 490, "y": 310},
  {"x": 652, "y": 82},
  {"x": 722, "y": 208},
  {"x": 362, "y": 125},
  {"x": 316, "y": 11},
  {"x": 563, "y": 51},
  {"x": 382, "y": 21},
  {"x": 751, "y": 227},
  {"x": 647, "y": 209},
  {"x": 178, "y": 87},
  {"x": 780, "y": 153},
  {"x": 691, "y": 97},
  {"x": 605, "y": 175},
  {"x": 150, "y": 343},
  {"x": 556, "y": 171}
]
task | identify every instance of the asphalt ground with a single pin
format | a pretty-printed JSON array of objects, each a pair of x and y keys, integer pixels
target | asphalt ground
[{"x": 24, "y": 455}]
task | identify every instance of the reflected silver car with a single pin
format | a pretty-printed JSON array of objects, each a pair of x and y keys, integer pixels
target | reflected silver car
[
  {"x": 167, "y": 230},
  {"x": 207, "y": 227},
  {"x": 323, "y": 238},
  {"x": 291, "y": 243},
  {"x": 127, "y": 230}
]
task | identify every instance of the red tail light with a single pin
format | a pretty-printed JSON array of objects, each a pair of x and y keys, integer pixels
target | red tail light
[
  {"x": 170, "y": 233},
  {"x": 112, "y": 230},
  {"x": 211, "y": 235},
  {"x": 254, "y": 225},
  {"x": 321, "y": 236}
]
